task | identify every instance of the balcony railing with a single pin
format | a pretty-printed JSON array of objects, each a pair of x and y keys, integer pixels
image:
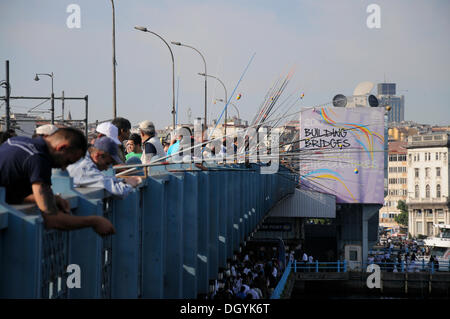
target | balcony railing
[{"x": 442, "y": 199}]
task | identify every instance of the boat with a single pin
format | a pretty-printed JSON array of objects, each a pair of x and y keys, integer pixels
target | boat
[{"x": 440, "y": 244}]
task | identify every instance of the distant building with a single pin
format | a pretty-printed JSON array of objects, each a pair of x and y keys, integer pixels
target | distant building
[
  {"x": 22, "y": 123},
  {"x": 289, "y": 135},
  {"x": 397, "y": 184},
  {"x": 440, "y": 129},
  {"x": 428, "y": 182},
  {"x": 386, "y": 96},
  {"x": 401, "y": 133}
]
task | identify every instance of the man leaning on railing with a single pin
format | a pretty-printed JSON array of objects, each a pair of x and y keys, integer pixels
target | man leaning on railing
[
  {"x": 99, "y": 157},
  {"x": 26, "y": 167}
]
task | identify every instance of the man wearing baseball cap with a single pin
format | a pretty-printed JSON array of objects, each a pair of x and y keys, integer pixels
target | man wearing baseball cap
[{"x": 100, "y": 156}]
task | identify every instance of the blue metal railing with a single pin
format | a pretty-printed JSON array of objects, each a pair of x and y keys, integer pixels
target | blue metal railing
[
  {"x": 282, "y": 283},
  {"x": 316, "y": 266},
  {"x": 345, "y": 266},
  {"x": 172, "y": 235}
]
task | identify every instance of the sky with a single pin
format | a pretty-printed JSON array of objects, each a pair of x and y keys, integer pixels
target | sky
[{"x": 328, "y": 43}]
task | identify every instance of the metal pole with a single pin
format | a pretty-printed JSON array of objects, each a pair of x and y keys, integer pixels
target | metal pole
[
  {"x": 8, "y": 118},
  {"x": 206, "y": 92},
  {"x": 53, "y": 102},
  {"x": 226, "y": 100},
  {"x": 62, "y": 106},
  {"x": 237, "y": 110},
  {"x": 173, "y": 71},
  {"x": 114, "y": 58},
  {"x": 226, "y": 95},
  {"x": 86, "y": 119},
  {"x": 173, "y": 88},
  {"x": 204, "y": 62},
  {"x": 53, "y": 108}
]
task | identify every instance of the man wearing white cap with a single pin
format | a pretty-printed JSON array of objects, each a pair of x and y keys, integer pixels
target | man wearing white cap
[
  {"x": 110, "y": 130},
  {"x": 45, "y": 130},
  {"x": 151, "y": 144}
]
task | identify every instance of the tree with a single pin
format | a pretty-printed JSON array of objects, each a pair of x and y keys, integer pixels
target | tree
[{"x": 402, "y": 218}]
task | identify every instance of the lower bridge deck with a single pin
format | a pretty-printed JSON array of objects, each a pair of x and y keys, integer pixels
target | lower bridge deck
[{"x": 333, "y": 285}]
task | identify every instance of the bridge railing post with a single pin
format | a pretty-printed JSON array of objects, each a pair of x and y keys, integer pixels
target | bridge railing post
[
  {"x": 403, "y": 266},
  {"x": 295, "y": 265},
  {"x": 345, "y": 265},
  {"x": 338, "y": 266},
  {"x": 317, "y": 266}
]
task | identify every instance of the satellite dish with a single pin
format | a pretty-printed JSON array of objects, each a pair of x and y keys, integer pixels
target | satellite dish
[
  {"x": 363, "y": 88},
  {"x": 339, "y": 100},
  {"x": 373, "y": 101}
]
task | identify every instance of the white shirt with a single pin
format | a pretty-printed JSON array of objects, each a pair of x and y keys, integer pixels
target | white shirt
[
  {"x": 310, "y": 259},
  {"x": 247, "y": 288},
  {"x": 233, "y": 271},
  {"x": 86, "y": 174},
  {"x": 305, "y": 257},
  {"x": 274, "y": 272},
  {"x": 253, "y": 293}
]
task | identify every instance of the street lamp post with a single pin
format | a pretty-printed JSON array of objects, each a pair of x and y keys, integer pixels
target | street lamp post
[
  {"x": 144, "y": 29},
  {"x": 226, "y": 96},
  {"x": 114, "y": 58},
  {"x": 233, "y": 105},
  {"x": 7, "y": 87},
  {"x": 204, "y": 62},
  {"x": 36, "y": 78}
]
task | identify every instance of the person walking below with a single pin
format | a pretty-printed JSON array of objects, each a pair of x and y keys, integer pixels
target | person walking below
[{"x": 305, "y": 261}]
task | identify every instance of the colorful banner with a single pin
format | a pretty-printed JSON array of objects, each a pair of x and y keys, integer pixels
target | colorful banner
[{"x": 342, "y": 153}]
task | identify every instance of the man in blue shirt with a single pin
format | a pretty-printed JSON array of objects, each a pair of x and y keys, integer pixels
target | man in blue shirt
[
  {"x": 26, "y": 167},
  {"x": 100, "y": 156}
]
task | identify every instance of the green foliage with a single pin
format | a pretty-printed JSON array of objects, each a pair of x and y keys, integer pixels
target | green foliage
[
  {"x": 401, "y": 205},
  {"x": 402, "y": 218}
]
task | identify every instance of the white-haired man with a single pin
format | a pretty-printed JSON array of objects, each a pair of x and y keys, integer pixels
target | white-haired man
[{"x": 151, "y": 145}]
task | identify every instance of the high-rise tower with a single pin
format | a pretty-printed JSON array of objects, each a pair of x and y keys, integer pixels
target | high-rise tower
[{"x": 386, "y": 96}]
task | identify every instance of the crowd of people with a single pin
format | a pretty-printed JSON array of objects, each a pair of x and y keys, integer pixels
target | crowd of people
[
  {"x": 26, "y": 164},
  {"x": 253, "y": 274},
  {"x": 406, "y": 255}
]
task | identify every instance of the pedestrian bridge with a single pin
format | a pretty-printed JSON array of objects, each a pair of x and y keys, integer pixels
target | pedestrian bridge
[{"x": 173, "y": 233}]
